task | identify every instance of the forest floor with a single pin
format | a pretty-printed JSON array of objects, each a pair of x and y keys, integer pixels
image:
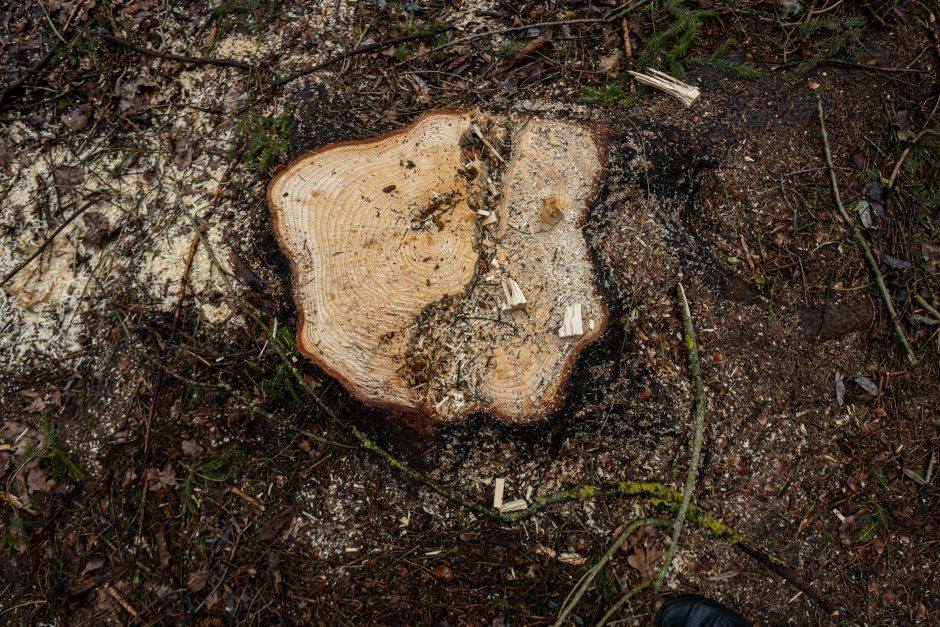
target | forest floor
[{"x": 166, "y": 458}]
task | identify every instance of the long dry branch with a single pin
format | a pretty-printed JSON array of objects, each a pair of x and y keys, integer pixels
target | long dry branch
[
  {"x": 860, "y": 241},
  {"x": 169, "y": 56}
]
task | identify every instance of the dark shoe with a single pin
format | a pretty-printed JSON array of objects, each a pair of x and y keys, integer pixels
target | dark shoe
[{"x": 691, "y": 610}]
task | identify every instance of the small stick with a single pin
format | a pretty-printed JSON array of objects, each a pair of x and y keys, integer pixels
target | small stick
[
  {"x": 860, "y": 240},
  {"x": 12, "y": 273},
  {"x": 148, "y": 52},
  {"x": 120, "y": 600},
  {"x": 907, "y": 150},
  {"x": 628, "y": 51},
  {"x": 698, "y": 389}
]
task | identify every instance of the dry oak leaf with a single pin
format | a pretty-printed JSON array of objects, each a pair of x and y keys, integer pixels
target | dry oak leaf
[{"x": 644, "y": 561}]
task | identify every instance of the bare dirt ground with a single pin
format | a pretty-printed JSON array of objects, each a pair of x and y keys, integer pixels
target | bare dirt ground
[{"x": 166, "y": 458}]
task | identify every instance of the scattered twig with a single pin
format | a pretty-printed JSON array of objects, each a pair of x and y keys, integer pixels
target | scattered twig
[
  {"x": 12, "y": 273},
  {"x": 699, "y": 400},
  {"x": 860, "y": 239},
  {"x": 611, "y": 16},
  {"x": 628, "y": 51},
  {"x": 120, "y": 600},
  {"x": 169, "y": 56},
  {"x": 907, "y": 150},
  {"x": 574, "y": 597}
]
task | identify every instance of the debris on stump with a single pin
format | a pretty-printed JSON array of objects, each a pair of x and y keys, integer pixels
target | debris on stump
[{"x": 425, "y": 277}]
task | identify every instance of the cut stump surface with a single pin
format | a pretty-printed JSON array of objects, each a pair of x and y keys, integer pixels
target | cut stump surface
[{"x": 434, "y": 266}]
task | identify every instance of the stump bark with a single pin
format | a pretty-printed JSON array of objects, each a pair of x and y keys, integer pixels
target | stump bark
[{"x": 440, "y": 270}]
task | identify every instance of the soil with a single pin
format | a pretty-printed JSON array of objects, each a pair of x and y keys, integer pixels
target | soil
[{"x": 162, "y": 464}]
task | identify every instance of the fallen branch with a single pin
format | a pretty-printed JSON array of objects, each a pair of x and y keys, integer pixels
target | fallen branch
[
  {"x": 657, "y": 494},
  {"x": 699, "y": 400},
  {"x": 169, "y": 56},
  {"x": 860, "y": 240},
  {"x": 12, "y": 273}
]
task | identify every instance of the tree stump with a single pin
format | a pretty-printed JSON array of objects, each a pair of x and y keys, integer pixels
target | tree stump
[{"x": 440, "y": 270}]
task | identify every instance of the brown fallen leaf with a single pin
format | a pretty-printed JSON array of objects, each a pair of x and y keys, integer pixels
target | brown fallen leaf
[
  {"x": 272, "y": 527},
  {"x": 611, "y": 63},
  {"x": 67, "y": 177},
  {"x": 644, "y": 561},
  {"x": 197, "y": 581},
  {"x": 97, "y": 229}
]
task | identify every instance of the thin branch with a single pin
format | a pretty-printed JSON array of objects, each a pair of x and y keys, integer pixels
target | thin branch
[
  {"x": 574, "y": 597},
  {"x": 357, "y": 51},
  {"x": 695, "y": 374},
  {"x": 12, "y": 273},
  {"x": 169, "y": 56},
  {"x": 616, "y": 606},
  {"x": 860, "y": 240}
]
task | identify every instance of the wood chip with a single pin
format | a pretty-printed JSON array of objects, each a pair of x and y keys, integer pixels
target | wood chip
[
  {"x": 498, "y": 486},
  {"x": 513, "y": 506},
  {"x": 572, "y": 325}
]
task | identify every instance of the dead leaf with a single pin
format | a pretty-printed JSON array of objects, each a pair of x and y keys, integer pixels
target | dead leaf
[
  {"x": 445, "y": 573},
  {"x": 867, "y": 384},
  {"x": 183, "y": 153},
  {"x": 38, "y": 480},
  {"x": 840, "y": 389},
  {"x": 191, "y": 448},
  {"x": 197, "y": 581},
  {"x": 78, "y": 118},
  {"x": 97, "y": 230},
  {"x": 644, "y": 561},
  {"x": 67, "y": 177},
  {"x": 527, "y": 50},
  {"x": 611, "y": 63},
  {"x": 931, "y": 253},
  {"x": 273, "y": 526},
  {"x": 137, "y": 94},
  {"x": 244, "y": 273},
  {"x": 902, "y": 125}
]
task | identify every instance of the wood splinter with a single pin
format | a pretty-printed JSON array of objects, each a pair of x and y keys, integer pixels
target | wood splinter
[
  {"x": 514, "y": 506},
  {"x": 515, "y": 299},
  {"x": 499, "y": 486},
  {"x": 683, "y": 92},
  {"x": 572, "y": 325},
  {"x": 555, "y": 207}
]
